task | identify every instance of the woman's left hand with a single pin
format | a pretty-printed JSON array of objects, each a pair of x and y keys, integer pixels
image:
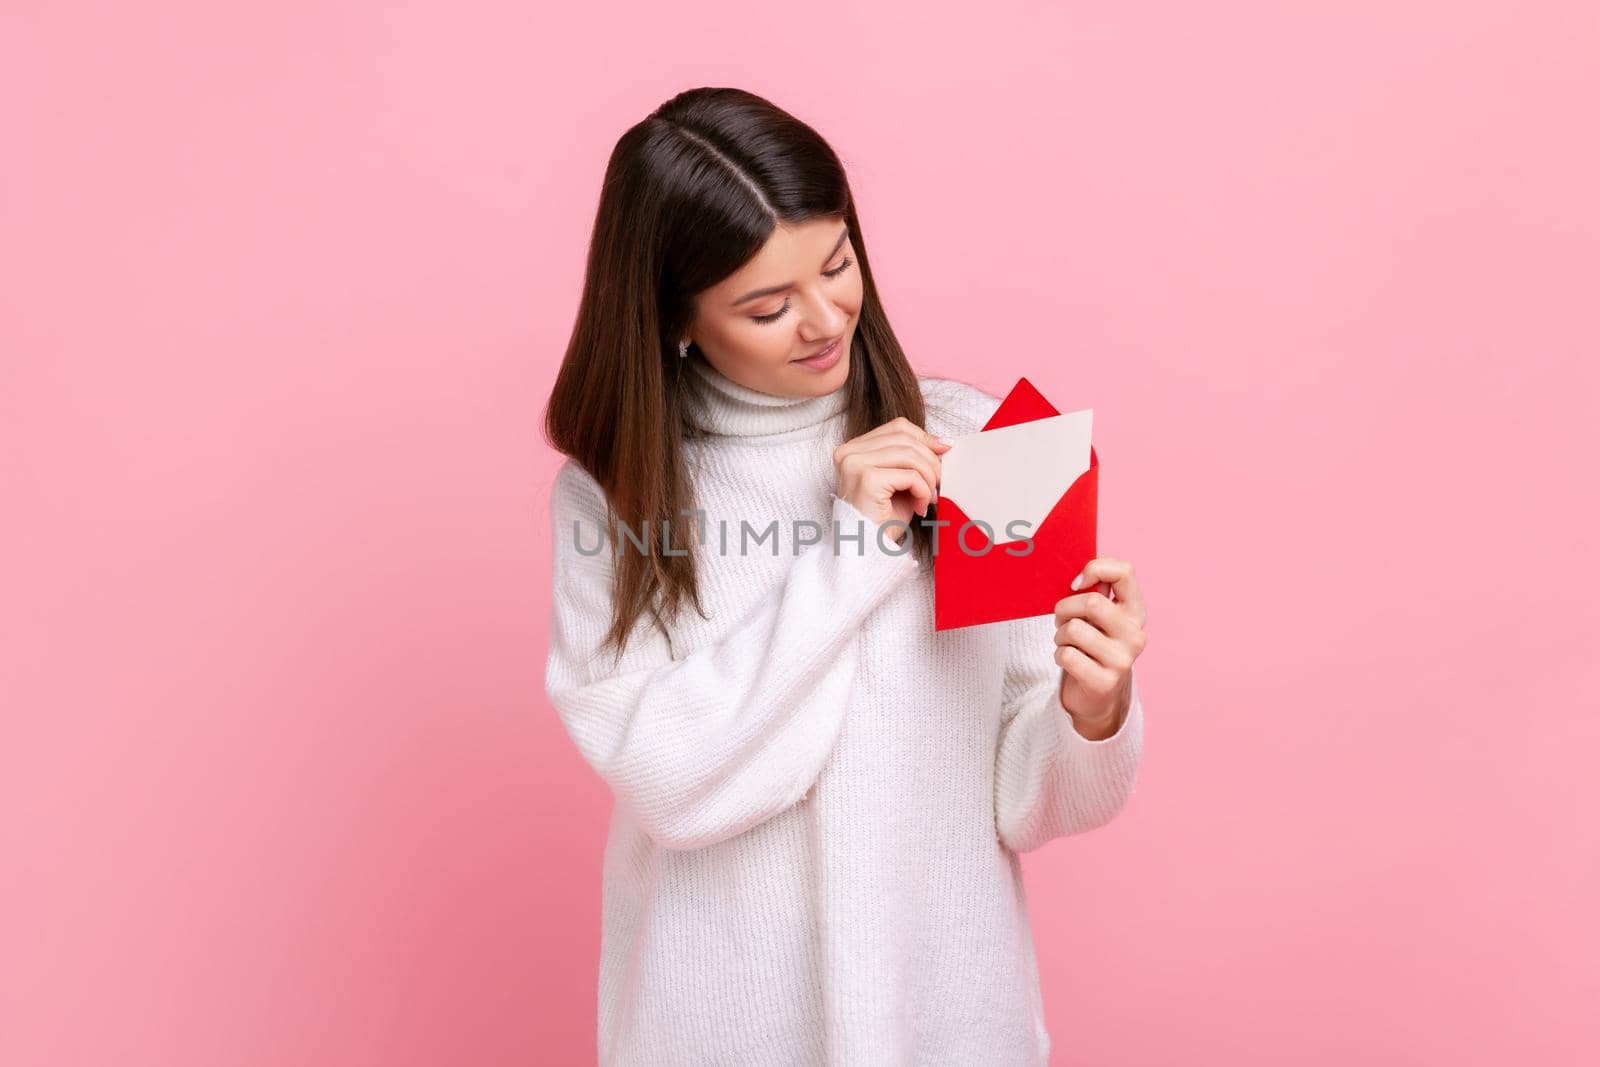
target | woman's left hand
[{"x": 1097, "y": 640}]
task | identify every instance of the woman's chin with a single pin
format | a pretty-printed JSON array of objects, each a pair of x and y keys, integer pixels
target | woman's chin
[{"x": 820, "y": 382}]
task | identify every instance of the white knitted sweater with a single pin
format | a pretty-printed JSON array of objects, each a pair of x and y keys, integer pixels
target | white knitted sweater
[{"x": 812, "y": 856}]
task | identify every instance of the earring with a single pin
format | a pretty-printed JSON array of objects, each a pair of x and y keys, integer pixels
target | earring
[{"x": 683, "y": 349}]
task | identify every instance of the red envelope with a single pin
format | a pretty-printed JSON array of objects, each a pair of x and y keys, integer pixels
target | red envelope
[{"x": 976, "y": 586}]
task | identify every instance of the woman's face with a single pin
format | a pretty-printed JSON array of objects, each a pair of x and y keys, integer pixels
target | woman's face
[{"x": 797, "y": 297}]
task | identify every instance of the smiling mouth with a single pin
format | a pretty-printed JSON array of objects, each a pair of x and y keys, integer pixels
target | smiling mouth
[{"x": 823, "y": 349}]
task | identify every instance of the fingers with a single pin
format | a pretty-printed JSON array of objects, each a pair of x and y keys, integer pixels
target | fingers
[
  {"x": 1083, "y": 635},
  {"x": 1111, "y": 618},
  {"x": 897, "y": 432},
  {"x": 901, "y": 426},
  {"x": 905, "y": 425},
  {"x": 897, "y": 456},
  {"x": 1097, "y": 638},
  {"x": 894, "y": 479},
  {"x": 1119, "y": 574},
  {"x": 1094, "y": 678},
  {"x": 863, "y": 445},
  {"x": 908, "y": 456},
  {"x": 896, "y": 447}
]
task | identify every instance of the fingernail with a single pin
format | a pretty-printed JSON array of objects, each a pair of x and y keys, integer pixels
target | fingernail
[{"x": 1076, "y": 582}]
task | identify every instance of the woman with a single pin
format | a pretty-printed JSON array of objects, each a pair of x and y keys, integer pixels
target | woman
[{"x": 819, "y": 800}]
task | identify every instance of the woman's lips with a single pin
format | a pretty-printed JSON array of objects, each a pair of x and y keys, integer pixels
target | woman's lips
[{"x": 824, "y": 359}]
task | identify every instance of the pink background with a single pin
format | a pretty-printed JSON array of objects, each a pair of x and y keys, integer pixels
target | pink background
[{"x": 281, "y": 295}]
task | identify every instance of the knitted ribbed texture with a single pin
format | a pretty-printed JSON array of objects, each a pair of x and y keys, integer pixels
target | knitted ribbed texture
[{"x": 812, "y": 857}]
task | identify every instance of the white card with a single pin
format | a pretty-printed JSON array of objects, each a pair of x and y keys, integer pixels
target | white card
[{"x": 1016, "y": 473}]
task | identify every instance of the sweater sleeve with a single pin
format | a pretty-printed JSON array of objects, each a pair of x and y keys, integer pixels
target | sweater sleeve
[
  {"x": 703, "y": 747},
  {"x": 1050, "y": 780}
]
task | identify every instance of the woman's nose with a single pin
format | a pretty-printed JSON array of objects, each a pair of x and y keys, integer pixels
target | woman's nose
[{"x": 824, "y": 318}]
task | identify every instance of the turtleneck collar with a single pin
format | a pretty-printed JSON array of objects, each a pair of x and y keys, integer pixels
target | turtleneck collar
[{"x": 719, "y": 405}]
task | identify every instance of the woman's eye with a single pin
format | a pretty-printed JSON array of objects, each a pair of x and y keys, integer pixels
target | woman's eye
[{"x": 781, "y": 312}]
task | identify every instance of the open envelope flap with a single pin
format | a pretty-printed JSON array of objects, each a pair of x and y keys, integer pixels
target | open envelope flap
[
  {"x": 1016, "y": 474},
  {"x": 1022, "y": 404}
]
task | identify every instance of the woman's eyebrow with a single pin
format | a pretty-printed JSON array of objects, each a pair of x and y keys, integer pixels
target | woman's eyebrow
[{"x": 757, "y": 293}]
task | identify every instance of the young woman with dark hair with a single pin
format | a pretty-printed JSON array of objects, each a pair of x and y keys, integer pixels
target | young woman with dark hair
[{"x": 819, "y": 800}]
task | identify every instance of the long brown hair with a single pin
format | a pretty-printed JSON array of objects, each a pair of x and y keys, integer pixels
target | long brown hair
[{"x": 691, "y": 193}]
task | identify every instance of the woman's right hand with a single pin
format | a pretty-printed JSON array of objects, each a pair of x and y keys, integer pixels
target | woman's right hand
[{"x": 891, "y": 472}]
